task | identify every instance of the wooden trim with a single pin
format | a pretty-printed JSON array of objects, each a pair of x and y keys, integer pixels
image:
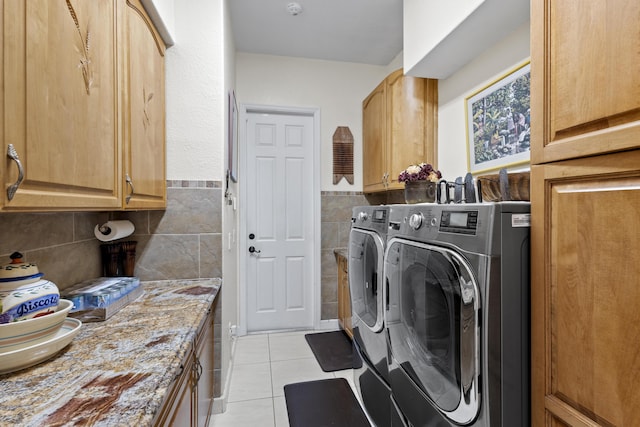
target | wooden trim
[
  {"x": 539, "y": 346},
  {"x": 601, "y": 141},
  {"x": 558, "y": 409},
  {"x": 139, "y": 8},
  {"x": 539, "y": 96}
]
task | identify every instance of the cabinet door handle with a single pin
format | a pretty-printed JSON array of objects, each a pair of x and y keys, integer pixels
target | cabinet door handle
[
  {"x": 198, "y": 370},
  {"x": 130, "y": 183},
  {"x": 13, "y": 155}
]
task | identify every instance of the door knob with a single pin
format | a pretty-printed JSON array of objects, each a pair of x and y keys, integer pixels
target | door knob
[{"x": 253, "y": 250}]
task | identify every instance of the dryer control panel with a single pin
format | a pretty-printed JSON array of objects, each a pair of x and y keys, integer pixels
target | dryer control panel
[{"x": 462, "y": 222}]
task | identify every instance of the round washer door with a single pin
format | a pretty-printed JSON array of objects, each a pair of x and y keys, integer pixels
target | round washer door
[
  {"x": 433, "y": 324},
  {"x": 365, "y": 277}
]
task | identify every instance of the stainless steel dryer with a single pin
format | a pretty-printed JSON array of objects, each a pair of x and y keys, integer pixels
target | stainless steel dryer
[
  {"x": 458, "y": 313},
  {"x": 367, "y": 242}
]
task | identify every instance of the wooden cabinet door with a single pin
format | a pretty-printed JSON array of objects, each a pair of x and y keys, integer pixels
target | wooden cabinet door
[
  {"x": 584, "y": 291},
  {"x": 374, "y": 125},
  {"x": 411, "y": 127},
  {"x": 399, "y": 128},
  {"x": 585, "y": 77},
  {"x": 205, "y": 362},
  {"x": 344, "y": 296},
  {"x": 178, "y": 409},
  {"x": 144, "y": 179},
  {"x": 60, "y": 104}
]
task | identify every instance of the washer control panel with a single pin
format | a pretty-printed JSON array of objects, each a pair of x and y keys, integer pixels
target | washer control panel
[{"x": 461, "y": 222}]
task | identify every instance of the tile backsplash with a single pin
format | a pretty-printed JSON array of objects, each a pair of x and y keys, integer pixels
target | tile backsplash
[
  {"x": 181, "y": 242},
  {"x": 335, "y": 222}
]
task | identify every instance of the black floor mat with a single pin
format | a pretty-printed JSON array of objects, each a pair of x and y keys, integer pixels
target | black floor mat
[
  {"x": 332, "y": 350},
  {"x": 323, "y": 403}
]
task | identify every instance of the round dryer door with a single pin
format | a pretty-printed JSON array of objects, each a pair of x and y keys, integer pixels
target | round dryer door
[
  {"x": 365, "y": 278},
  {"x": 433, "y": 324}
]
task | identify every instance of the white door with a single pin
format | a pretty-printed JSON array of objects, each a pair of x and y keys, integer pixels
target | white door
[{"x": 279, "y": 221}]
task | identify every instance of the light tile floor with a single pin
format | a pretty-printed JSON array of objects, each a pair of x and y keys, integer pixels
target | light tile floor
[{"x": 263, "y": 365}]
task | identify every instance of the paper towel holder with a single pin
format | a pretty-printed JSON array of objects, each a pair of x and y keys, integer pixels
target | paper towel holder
[
  {"x": 113, "y": 230},
  {"x": 104, "y": 228}
]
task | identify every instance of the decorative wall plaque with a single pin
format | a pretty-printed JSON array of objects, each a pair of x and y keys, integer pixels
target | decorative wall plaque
[{"x": 342, "y": 155}]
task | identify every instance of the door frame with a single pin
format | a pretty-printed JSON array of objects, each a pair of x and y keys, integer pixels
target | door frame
[{"x": 244, "y": 110}]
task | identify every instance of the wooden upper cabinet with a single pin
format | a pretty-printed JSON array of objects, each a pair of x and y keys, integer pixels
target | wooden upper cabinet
[
  {"x": 144, "y": 112},
  {"x": 60, "y": 104},
  {"x": 585, "y": 72},
  {"x": 399, "y": 128},
  {"x": 584, "y": 292},
  {"x": 374, "y": 126},
  {"x": 83, "y": 106}
]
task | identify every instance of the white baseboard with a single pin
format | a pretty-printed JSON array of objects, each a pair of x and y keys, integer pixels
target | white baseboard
[
  {"x": 329, "y": 325},
  {"x": 220, "y": 403}
]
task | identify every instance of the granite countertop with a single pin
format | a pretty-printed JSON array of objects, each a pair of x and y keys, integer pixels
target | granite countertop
[{"x": 116, "y": 372}]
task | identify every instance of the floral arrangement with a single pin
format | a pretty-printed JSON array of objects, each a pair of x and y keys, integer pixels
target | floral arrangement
[{"x": 420, "y": 172}]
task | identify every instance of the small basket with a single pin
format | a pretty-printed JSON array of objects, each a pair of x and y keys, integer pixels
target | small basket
[{"x": 518, "y": 187}]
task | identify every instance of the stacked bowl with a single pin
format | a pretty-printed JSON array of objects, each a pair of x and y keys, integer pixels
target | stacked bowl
[{"x": 33, "y": 318}]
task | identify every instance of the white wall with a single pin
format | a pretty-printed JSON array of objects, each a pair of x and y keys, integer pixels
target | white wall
[
  {"x": 162, "y": 14},
  {"x": 337, "y": 88},
  {"x": 427, "y": 23},
  {"x": 442, "y": 37},
  {"x": 199, "y": 73},
  {"x": 195, "y": 93},
  {"x": 452, "y": 148},
  {"x": 229, "y": 224}
]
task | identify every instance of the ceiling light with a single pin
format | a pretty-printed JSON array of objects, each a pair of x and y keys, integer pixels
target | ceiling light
[{"x": 294, "y": 8}]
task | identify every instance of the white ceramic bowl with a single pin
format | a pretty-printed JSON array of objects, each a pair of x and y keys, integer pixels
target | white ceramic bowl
[
  {"x": 25, "y": 333},
  {"x": 34, "y": 354}
]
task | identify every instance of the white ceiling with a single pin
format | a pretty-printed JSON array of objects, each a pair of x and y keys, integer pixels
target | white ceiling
[{"x": 361, "y": 31}]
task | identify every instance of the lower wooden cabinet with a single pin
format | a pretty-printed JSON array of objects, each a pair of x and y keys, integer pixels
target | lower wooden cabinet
[
  {"x": 344, "y": 296},
  {"x": 189, "y": 400},
  {"x": 584, "y": 291},
  {"x": 177, "y": 409},
  {"x": 203, "y": 370}
]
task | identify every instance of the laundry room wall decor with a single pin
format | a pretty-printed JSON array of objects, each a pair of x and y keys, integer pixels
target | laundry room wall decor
[
  {"x": 498, "y": 122},
  {"x": 342, "y": 155}
]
